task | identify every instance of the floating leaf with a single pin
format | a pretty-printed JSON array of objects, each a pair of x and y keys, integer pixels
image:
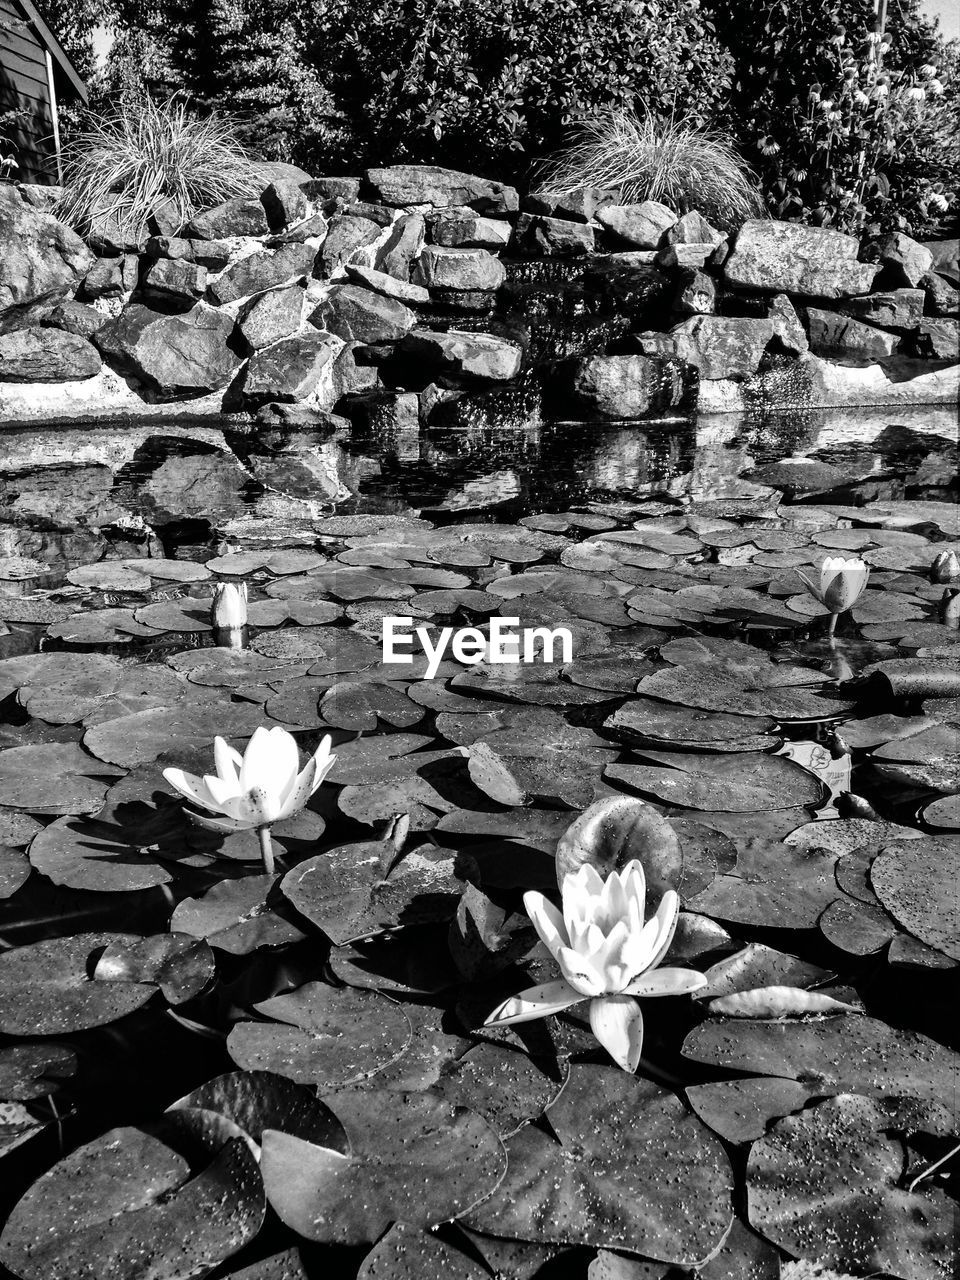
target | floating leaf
[
  {"x": 760, "y": 966},
  {"x": 359, "y": 705},
  {"x": 855, "y": 1215},
  {"x": 236, "y": 916},
  {"x": 413, "y": 1158},
  {"x": 930, "y": 758},
  {"x": 741, "y": 1110},
  {"x": 612, "y": 833},
  {"x": 784, "y": 887},
  {"x": 258, "y": 1100},
  {"x": 322, "y": 1035},
  {"x": 777, "y": 1002},
  {"x": 646, "y": 720},
  {"x": 179, "y": 965},
  {"x": 506, "y": 1087},
  {"x": 357, "y": 890},
  {"x": 14, "y": 871},
  {"x": 82, "y": 781},
  {"x": 130, "y": 1200},
  {"x": 134, "y": 739},
  {"x": 47, "y": 989},
  {"x": 740, "y": 784},
  {"x": 34, "y": 1070},
  {"x": 917, "y": 883},
  {"x": 837, "y": 1055},
  {"x": 407, "y": 1253},
  {"x": 624, "y": 1166}
]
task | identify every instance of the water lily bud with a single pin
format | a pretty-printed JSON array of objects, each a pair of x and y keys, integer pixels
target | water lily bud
[
  {"x": 842, "y": 583},
  {"x": 849, "y": 805},
  {"x": 950, "y": 608},
  {"x": 229, "y": 609},
  {"x": 945, "y": 567}
]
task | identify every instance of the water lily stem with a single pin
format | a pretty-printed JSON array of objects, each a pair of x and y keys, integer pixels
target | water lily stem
[
  {"x": 832, "y": 626},
  {"x": 932, "y": 1168},
  {"x": 266, "y": 849}
]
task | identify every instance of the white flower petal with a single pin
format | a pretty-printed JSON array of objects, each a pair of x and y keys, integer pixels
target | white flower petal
[
  {"x": 547, "y": 921},
  {"x": 666, "y": 982},
  {"x": 666, "y": 917},
  {"x": 299, "y": 793},
  {"x": 535, "y": 1002},
  {"x": 617, "y": 1023},
  {"x": 228, "y": 762},
  {"x": 324, "y": 760},
  {"x": 579, "y": 972},
  {"x": 192, "y": 787},
  {"x": 222, "y": 790},
  {"x": 221, "y": 823}
]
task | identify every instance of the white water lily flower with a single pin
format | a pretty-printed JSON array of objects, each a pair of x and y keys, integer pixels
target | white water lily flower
[
  {"x": 254, "y": 790},
  {"x": 842, "y": 583},
  {"x": 607, "y": 954},
  {"x": 228, "y": 611}
]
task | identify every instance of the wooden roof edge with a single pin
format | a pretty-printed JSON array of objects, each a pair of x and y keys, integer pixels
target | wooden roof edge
[{"x": 55, "y": 47}]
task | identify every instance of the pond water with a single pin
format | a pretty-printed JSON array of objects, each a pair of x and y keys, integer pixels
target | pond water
[{"x": 811, "y": 782}]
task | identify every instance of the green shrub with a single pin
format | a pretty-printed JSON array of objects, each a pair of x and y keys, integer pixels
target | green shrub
[
  {"x": 490, "y": 85},
  {"x": 684, "y": 166},
  {"x": 143, "y": 154},
  {"x": 842, "y": 125}
]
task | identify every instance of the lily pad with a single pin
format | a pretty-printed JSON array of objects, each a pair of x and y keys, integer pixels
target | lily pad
[
  {"x": 258, "y": 1100},
  {"x": 357, "y": 890},
  {"x": 130, "y": 1198},
  {"x": 236, "y": 916},
  {"x": 506, "y": 1087},
  {"x": 741, "y": 1110},
  {"x": 407, "y": 1253},
  {"x": 611, "y": 833},
  {"x": 624, "y": 1165},
  {"x": 917, "y": 883},
  {"x": 134, "y": 739},
  {"x": 742, "y": 783},
  {"x": 855, "y": 1214},
  {"x": 82, "y": 780},
  {"x": 322, "y": 1035},
  {"x": 34, "y": 1070},
  {"x": 358, "y": 705},
  {"x": 414, "y": 1158},
  {"x": 782, "y": 886}
]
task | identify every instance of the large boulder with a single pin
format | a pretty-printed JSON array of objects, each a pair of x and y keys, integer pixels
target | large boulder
[
  {"x": 38, "y": 255},
  {"x": 290, "y": 370},
  {"x": 273, "y": 316},
  {"x": 785, "y": 257},
  {"x": 896, "y": 309},
  {"x": 465, "y": 229},
  {"x": 46, "y": 355},
  {"x": 939, "y": 339},
  {"x": 835, "y": 334},
  {"x": 402, "y": 247},
  {"x": 242, "y": 216},
  {"x": 723, "y": 346},
  {"x": 359, "y": 315},
  {"x": 458, "y": 357},
  {"x": 421, "y": 184},
  {"x": 345, "y": 238},
  {"x": 553, "y": 237},
  {"x": 463, "y": 270},
  {"x": 176, "y": 355},
  {"x": 261, "y": 271},
  {"x": 941, "y": 297},
  {"x": 643, "y": 225},
  {"x": 905, "y": 262},
  {"x": 628, "y": 386},
  {"x": 945, "y": 255}
]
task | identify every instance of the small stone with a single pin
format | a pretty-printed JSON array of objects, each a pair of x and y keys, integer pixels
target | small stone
[
  {"x": 723, "y": 346},
  {"x": 787, "y": 326},
  {"x": 354, "y": 377},
  {"x": 696, "y": 293},
  {"x": 175, "y": 247},
  {"x": 412, "y": 184},
  {"x": 345, "y": 237},
  {"x": 46, "y": 355},
  {"x": 402, "y": 247},
  {"x": 553, "y": 237},
  {"x": 360, "y": 315},
  {"x": 442, "y": 268},
  {"x": 939, "y": 339},
  {"x": 833, "y": 334},
  {"x": 463, "y": 228},
  {"x": 388, "y": 285},
  {"x": 942, "y": 298},
  {"x": 693, "y": 228},
  {"x": 242, "y": 216},
  {"x": 215, "y": 254},
  {"x": 273, "y": 316},
  {"x": 312, "y": 228},
  {"x": 905, "y": 262},
  {"x": 261, "y": 271},
  {"x": 643, "y": 225},
  {"x": 176, "y": 279},
  {"x": 285, "y": 203},
  {"x": 896, "y": 309},
  {"x": 289, "y": 370},
  {"x": 75, "y": 317},
  {"x": 460, "y": 357}
]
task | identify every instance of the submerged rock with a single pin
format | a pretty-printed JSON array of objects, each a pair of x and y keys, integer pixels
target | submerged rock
[
  {"x": 46, "y": 355},
  {"x": 786, "y": 257}
]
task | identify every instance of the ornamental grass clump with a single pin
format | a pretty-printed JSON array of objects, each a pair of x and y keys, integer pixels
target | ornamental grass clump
[
  {"x": 144, "y": 155},
  {"x": 684, "y": 166}
]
